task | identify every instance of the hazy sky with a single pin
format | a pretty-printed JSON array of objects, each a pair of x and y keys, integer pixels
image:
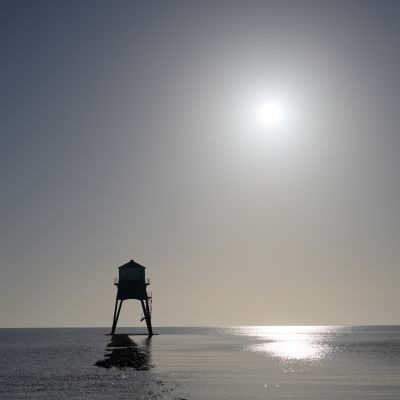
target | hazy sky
[{"x": 127, "y": 131}]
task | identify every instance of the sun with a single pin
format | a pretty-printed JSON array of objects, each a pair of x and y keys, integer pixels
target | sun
[{"x": 270, "y": 113}]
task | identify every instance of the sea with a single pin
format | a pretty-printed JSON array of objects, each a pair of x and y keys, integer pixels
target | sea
[{"x": 242, "y": 362}]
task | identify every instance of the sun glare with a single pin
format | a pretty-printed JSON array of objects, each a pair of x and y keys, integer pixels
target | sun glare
[
  {"x": 270, "y": 113},
  {"x": 291, "y": 342}
]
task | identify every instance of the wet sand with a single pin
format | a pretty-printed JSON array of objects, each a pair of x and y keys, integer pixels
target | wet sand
[{"x": 123, "y": 352}]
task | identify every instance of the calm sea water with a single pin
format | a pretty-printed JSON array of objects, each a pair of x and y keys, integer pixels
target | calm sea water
[{"x": 202, "y": 363}]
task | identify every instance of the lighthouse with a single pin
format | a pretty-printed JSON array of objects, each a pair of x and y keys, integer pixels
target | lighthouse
[{"x": 131, "y": 284}]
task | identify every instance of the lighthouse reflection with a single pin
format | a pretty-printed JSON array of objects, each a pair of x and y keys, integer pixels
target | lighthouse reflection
[
  {"x": 126, "y": 353},
  {"x": 292, "y": 342}
]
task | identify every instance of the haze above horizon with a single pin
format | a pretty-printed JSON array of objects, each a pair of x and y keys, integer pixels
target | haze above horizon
[{"x": 246, "y": 153}]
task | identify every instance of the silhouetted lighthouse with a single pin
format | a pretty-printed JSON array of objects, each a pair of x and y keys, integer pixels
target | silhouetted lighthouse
[{"x": 132, "y": 284}]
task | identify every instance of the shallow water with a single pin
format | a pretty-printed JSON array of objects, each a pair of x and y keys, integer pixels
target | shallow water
[{"x": 202, "y": 363}]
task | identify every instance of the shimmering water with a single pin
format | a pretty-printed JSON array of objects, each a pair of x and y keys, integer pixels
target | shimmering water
[{"x": 202, "y": 363}]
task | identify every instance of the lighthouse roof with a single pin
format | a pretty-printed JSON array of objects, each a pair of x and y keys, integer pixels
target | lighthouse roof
[{"x": 132, "y": 264}]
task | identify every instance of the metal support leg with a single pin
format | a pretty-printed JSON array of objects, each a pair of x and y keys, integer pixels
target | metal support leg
[
  {"x": 116, "y": 316},
  {"x": 147, "y": 315}
]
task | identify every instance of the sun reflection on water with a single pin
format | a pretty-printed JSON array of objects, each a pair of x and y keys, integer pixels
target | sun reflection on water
[{"x": 290, "y": 342}]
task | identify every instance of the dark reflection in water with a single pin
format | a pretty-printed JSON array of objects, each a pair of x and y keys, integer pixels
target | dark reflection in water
[{"x": 125, "y": 353}]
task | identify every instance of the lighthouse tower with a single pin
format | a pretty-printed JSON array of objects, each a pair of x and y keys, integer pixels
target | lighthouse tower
[{"x": 132, "y": 284}]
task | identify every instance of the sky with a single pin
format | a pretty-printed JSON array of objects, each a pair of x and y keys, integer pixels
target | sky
[{"x": 128, "y": 131}]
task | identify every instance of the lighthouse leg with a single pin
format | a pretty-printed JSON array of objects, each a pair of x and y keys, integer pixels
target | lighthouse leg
[
  {"x": 148, "y": 321},
  {"x": 116, "y": 316},
  {"x": 147, "y": 316}
]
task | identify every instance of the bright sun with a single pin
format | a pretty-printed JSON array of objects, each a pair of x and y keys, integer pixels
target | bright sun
[{"x": 270, "y": 113}]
